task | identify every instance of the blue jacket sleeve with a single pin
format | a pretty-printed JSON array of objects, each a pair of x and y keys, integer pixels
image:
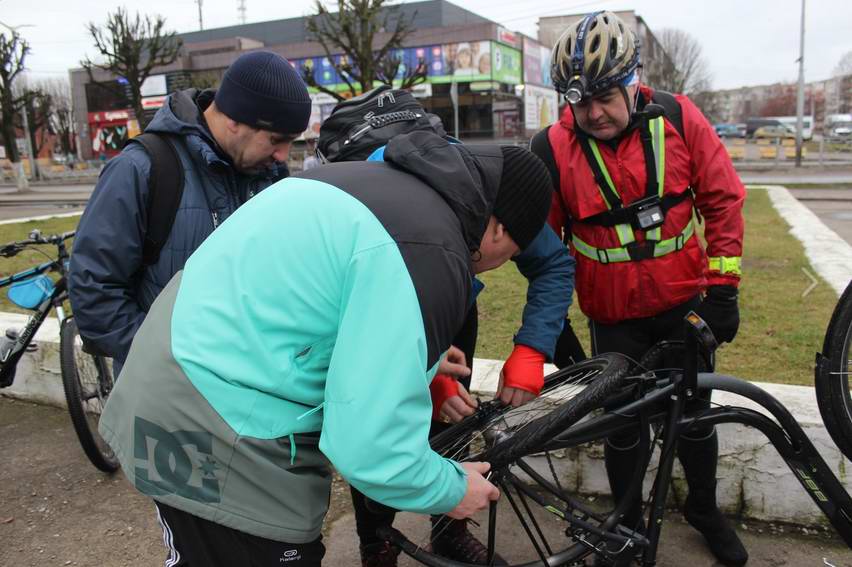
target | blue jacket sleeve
[
  {"x": 107, "y": 255},
  {"x": 549, "y": 269}
]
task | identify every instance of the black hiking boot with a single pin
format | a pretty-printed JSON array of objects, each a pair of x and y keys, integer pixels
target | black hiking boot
[
  {"x": 454, "y": 541},
  {"x": 381, "y": 554}
]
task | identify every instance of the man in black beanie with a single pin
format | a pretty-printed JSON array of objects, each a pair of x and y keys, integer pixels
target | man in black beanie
[{"x": 211, "y": 149}]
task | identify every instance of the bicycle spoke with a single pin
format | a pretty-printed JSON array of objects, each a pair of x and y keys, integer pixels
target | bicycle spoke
[
  {"x": 523, "y": 522},
  {"x": 533, "y": 520}
]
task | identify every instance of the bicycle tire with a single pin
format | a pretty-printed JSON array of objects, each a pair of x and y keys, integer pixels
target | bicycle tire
[
  {"x": 831, "y": 379},
  {"x": 607, "y": 364},
  {"x": 533, "y": 436},
  {"x": 87, "y": 381}
]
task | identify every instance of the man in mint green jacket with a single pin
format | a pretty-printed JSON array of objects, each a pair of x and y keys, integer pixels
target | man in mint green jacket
[{"x": 266, "y": 360}]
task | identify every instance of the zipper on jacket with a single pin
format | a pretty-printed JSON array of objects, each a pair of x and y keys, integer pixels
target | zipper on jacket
[{"x": 215, "y": 216}]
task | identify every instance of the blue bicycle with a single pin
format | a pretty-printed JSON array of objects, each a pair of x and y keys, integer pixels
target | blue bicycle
[{"x": 86, "y": 378}]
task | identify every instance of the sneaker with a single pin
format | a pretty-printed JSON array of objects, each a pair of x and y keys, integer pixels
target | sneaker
[
  {"x": 458, "y": 544},
  {"x": 381, "y": 554}
]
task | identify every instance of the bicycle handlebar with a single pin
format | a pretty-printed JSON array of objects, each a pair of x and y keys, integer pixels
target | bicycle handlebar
[{"x": 13, "y": 248}]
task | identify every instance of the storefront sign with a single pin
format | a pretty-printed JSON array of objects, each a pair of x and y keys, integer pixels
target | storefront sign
[
  {"x": 155, "y": 85},
  {"x": 464, "y": 62},
  {"x": 153, "y": 102}
]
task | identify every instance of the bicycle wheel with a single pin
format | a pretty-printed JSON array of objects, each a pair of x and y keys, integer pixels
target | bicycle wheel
[
  {"x": 515, "y": 442},
  {"x": 831, "y": 380},
  {"x": 87, "y": 381}
]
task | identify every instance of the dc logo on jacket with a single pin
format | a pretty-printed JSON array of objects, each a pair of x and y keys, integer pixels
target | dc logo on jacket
[{"x": 175, "y": 462}]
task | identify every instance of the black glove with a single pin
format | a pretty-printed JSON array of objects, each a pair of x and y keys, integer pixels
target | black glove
[
  {"x": 568, "y": 348},
  {"x": 719, "y": 310}
]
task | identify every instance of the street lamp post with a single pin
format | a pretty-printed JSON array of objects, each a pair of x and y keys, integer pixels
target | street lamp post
[{"x": 800, "y": 96}]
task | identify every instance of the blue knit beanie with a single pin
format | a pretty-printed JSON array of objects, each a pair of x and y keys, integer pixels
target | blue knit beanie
[{"x": 261, "y": 89}]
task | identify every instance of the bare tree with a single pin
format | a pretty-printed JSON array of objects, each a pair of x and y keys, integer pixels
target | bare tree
[
  {"x": 689, "y": 72},
  {"x": 132, "y": 48},
  {"x": 353, "y": 32},
  {"x": 13, "y": 52},
  {"x": 844, "y": 66},
  {"x": 62, "y": 114}
]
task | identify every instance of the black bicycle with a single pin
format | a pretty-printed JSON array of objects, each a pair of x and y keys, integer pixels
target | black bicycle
[
  {"x": 564, "y": 528},
  {"x": 86, "y": 378}
]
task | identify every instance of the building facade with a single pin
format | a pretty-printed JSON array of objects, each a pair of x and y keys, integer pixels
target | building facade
[{"x": 501, "y": 78}]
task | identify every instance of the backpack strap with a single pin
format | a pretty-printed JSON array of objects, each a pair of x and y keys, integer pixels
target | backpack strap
[
  {"x": 540, "y": 146},
  {"x": 165, "y": 189},
  {"x": 674, "y": 114}
]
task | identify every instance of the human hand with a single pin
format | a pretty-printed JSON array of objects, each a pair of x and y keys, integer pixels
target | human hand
[
  {"x": 457, "y": 407},
  {"x": 454, "y": 363},
  {"x": 479, "y": 491},
  {"x": 720, "y": 311},
  {"x": 522, "y": 376}
]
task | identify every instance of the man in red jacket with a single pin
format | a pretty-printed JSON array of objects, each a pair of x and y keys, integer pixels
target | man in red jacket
[{"x": 631, "y": 166}]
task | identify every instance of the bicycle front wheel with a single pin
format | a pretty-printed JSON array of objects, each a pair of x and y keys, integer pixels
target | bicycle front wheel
[
  {"x": 832, "y": 375},
  {"x": 87, "y": 380},
  {"x": 534, "y": 501}
]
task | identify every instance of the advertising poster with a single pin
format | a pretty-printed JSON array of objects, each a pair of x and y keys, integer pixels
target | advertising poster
[
  {"x": 536, "y": 63},
  {"x": 541, "y": 107},
  {"x": 506, "y": 64}
]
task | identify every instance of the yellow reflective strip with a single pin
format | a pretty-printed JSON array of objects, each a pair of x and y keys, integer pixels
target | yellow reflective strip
[
  {"x": 653, "y": 234},
  {"x": 659, "y": 143},
  {"x": 596, "y": 152},
  {"x": 669, "y": 245},
  {"x": 609, "y": 255},
  {"x": 726, "y": 265},
  {"x": 625, "y": 234},
  {"x": 603, "y": 255}
]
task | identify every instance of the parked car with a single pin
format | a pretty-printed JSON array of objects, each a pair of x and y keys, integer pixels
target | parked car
[
  {"x": 752, "y": 124},
  {"x": 727, "y": 130},
  {"x": 774, "y": 131}
]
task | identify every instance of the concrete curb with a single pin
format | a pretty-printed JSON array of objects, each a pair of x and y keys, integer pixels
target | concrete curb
[{"x": 829, "y": 254}]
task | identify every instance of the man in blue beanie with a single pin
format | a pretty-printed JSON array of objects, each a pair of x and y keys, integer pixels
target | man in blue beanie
[{"x": 225, "y": 145}]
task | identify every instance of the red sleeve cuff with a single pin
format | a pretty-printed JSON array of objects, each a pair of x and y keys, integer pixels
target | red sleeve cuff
[{"x": 442, "y": 388}]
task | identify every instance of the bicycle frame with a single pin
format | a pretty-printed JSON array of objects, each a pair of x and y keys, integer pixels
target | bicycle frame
[
  {"x": 9, "y": 362},
  {"x": 56, "y": 299},
  {"x": 664, "y": 404},
  {"x": 667, "y": 407}
]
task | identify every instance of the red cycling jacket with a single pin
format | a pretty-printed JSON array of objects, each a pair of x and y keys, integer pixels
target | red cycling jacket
[{"x": 615, "y": 291}]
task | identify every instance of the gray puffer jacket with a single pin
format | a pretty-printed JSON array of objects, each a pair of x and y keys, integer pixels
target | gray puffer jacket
[{"x": 110, "y": 288}]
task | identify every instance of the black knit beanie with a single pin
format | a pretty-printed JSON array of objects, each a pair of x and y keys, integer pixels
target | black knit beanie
[
  {"x": 523, "y": 199},
  {"x": 261, "y": 89}
]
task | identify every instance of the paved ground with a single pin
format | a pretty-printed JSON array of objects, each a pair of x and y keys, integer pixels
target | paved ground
[
  {"x": 57, "y": 510},
  {"x": 43, "y": 200}
]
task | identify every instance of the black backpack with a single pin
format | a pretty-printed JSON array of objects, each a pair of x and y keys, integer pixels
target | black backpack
[
  {"x": 165, "y": 189},
  {"x": 356, "y": 127}
]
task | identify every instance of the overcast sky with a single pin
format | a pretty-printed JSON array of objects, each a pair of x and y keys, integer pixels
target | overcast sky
[{"x": 746, "y": 42}]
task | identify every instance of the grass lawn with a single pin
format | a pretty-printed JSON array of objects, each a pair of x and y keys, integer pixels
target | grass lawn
[
  {"x": 779, "y": 332},
  {"x": 30, "y": 258}
]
